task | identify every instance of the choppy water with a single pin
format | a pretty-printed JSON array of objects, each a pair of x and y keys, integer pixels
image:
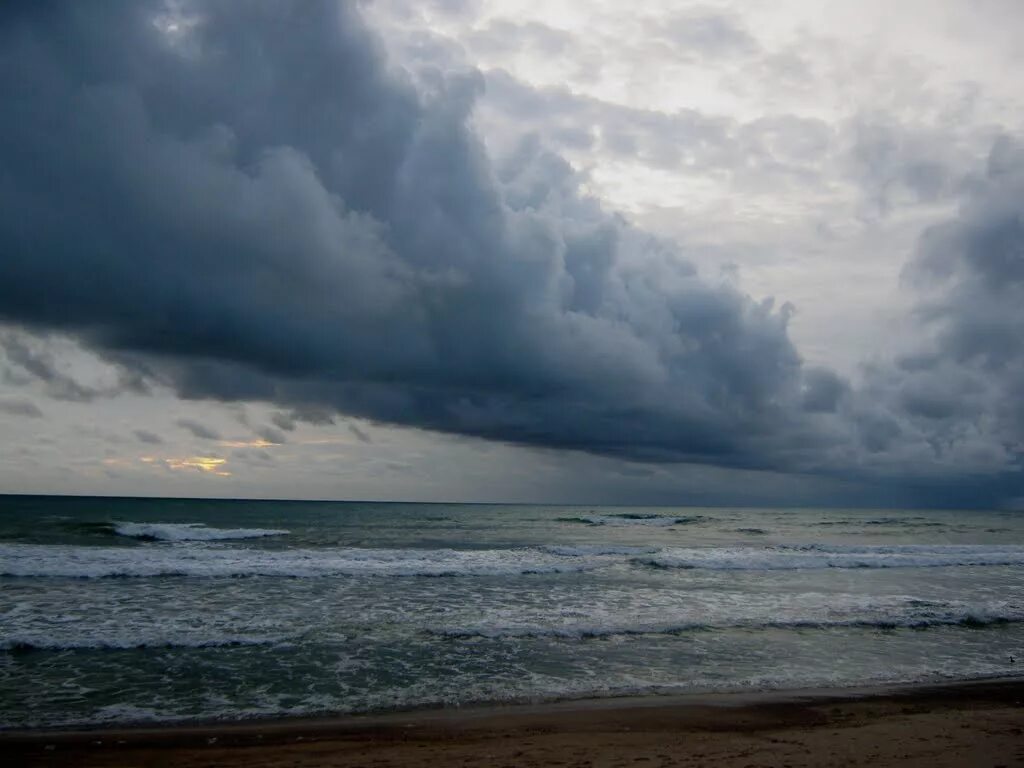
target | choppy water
[{"x": 134, "y": 609}]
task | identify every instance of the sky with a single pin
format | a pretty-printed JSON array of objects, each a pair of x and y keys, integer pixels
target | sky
[{"x": 749, "y": 253}]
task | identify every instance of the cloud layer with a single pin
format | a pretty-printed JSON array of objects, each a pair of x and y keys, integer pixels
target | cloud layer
[
  {"x": 279, "y": 216},
  {"x": 249, "y": 215}
]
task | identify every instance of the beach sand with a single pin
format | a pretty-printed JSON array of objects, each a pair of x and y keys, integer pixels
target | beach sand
[{"x": 966, "y": 724}]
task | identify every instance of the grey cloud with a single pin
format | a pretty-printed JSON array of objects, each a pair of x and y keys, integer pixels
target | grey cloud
[
  {"x": 270, "y": 435},
  {"x": 953, "y": 407},
  {"x": 280, "y": 217},
  {"x": 283, "y": 421},
  {"x": 930, "y": 405},
  {"x": 507, "y": 35},
  {"x": 890, "y": 160},
  {"x": 971, "y": 270},
  {"x": 249, "y": 456},
  {"x": 453, "y": 7},
  {"x": 40, "y": 365},
  {"x": 20, "y": 407},
  {"x": 145, "y": 436},
  {"x": 36, "y": 362},
  {"x": 891, "y": 163},
  {"x": 757, "y": 152},
  {"x": 250, "y": 215},
  {"x": 877, "y": 432},
  {"x": 705, "y": 33},
  {"x": 312, "y": 414},
  {"x": 198, "y": 430},
  {"x": 822, "y": 390},
  {"x": 359, "y": 434}
]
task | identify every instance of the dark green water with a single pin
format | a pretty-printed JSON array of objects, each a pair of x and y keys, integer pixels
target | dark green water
[{"x": 136, "y": 609}]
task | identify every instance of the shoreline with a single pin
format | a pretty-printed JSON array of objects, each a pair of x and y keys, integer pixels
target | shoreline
[
  {"x": 926, "y": 722},
  {"x": 473, "y": 709}
]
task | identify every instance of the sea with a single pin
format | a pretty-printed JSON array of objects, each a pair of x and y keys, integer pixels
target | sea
[{"x": 127, "y": 610}]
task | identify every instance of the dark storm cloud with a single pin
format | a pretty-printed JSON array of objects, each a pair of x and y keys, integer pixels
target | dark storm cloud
[
  {"x": 20, "y": 407},
  {"x": 249, "y": 215},
  {"x": 258, "y": 215},
  {"x": 971, "y": 272},
  {"x": 949, "y": 418},
  {"x": 822, "y": 390},
  {"x": 198, "y": 430}
]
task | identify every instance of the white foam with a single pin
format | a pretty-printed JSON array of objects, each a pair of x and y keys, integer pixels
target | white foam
[
  {"x": 190, "y": 532},
  {"x": 641, "y": 610},
  {"x": 580, "y": 631},
  {"x": 625, "y": 520},
  {"x": 198, "y": 559},
  {"x": 824, "y": 556},
  {"x": 583, "y": 550},
  {"x": 28, "y": 641},
  {"x": 28, "y": 560}
]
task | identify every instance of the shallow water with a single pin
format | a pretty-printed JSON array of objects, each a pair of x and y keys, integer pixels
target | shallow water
[{"x": 135, "y": 609}]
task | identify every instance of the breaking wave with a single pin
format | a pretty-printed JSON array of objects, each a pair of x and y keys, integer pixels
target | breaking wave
[
  {"x": 814, "y": 556},
  {"x": 36, "y": 642},
  {"x": 635, "y": 518},
  {"x": 583, "y": 632},
  {"x": 190, "y": 532},
  {"x": 34, "y": 560},
  {"x": 583, "y": 550},
  {"x": 201, "y": 559}
]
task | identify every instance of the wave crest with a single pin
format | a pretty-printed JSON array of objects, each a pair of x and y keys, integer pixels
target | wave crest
[
  {"x": 581, "y": 632},
  {"x": 201, "y": 561},
  {"x": 30, "y": 643},
  {"x": 624, "y": 519},
  {"x": 817, "y": 556},
  {"x": 65, "y": 561},
  {"x": 190, "y": 532}
]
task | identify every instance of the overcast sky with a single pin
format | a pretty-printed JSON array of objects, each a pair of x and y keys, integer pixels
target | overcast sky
[{"x": 666, "y": 252}]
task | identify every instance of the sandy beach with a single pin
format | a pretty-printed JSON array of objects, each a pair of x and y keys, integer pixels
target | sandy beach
[{"x": 965, "y": 724}]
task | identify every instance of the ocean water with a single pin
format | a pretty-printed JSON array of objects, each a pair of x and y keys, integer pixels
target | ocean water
[{"x": 117, "y": 610}]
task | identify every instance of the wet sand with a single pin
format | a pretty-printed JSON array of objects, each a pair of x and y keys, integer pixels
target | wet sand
[{"x": 965, "y": 724}]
